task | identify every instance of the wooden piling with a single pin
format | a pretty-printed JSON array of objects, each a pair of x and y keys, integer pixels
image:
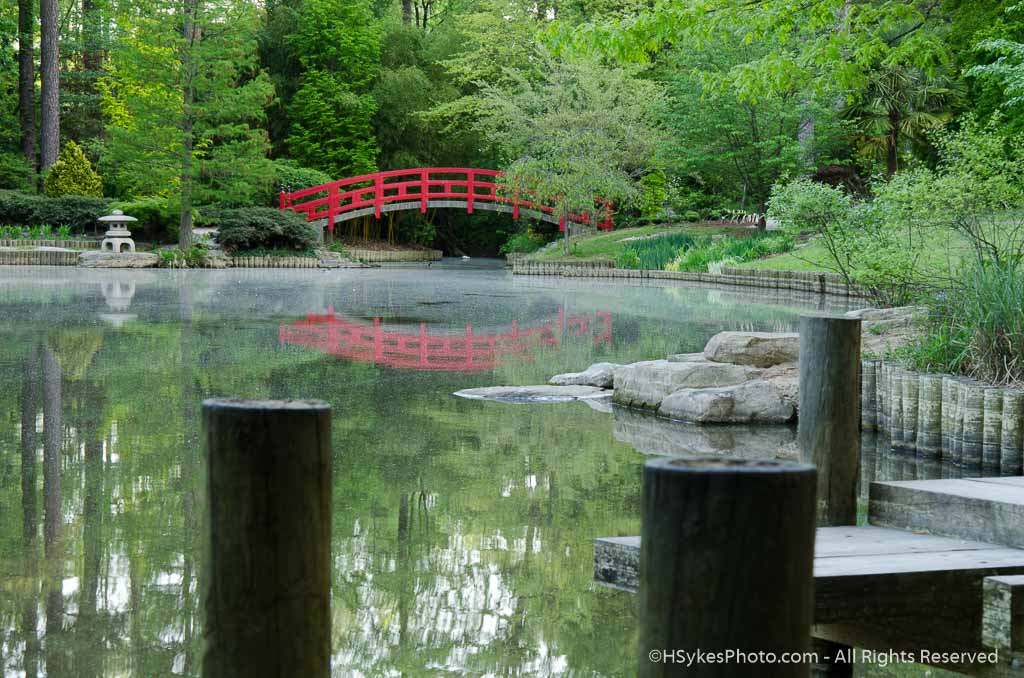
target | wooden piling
[
  {"x": 910, "y": 391},
  {"x": 929, "y": 415},
  {"x": 724, "y": 540},
  {"x": 268, "y": 499},
  {"x": 896, "y": 406},
  {"x": 828, "y": 432},
  {"x": 992, "y": 428},
  {"x": 973, "y": 421},
  {"x": 868, "y": 392},
  {"x": 1012, "y": 442}
]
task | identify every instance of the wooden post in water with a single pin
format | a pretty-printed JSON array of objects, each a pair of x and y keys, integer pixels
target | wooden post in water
[
  {"x": 726, "y": 557},
  {"x": 268, "y": 500},
  {"x": 828, "y": 434}
]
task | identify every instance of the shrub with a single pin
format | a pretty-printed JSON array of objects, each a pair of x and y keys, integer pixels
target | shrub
[
  {"x": 653, "y": 253},
  {"x": 156, "y": 214},
  {"x": 252, "y": 228},
  {"x": 977, "y": 328},
  {"x": 289, "y": 176},
  {"x": 73, "y": 174},
  {"x": 523, "y": 243},
  {"x": 654, "y": 192},
  {"x": 27, "y": 209},
  {"x": 15, "y": 173}
]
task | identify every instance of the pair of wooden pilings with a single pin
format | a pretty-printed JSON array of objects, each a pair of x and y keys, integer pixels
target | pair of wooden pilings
[{"x": 727, "y": 545}]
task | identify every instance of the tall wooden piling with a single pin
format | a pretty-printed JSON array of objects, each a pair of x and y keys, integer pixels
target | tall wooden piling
[
  {"x": 973, "y": 417},
  {"x": 829, "y": 427},
  {"x": 725, "y": 540},
  {"x": 828, "y": 432},
  {"x": 267, "y": 583}
]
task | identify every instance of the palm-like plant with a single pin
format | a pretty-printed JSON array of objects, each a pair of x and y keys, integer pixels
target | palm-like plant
[{"x": 898, "y": 106}]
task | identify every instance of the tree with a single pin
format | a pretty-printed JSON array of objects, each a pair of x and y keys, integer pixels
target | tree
[
  {"x": 900, "y": 105},
  {"x": 27, "y": 79},
  {"x": 579, "y": 133},
  {"x": 72, "y": 174},
  {"x": 49, "y": 72},
  {"x": 186, "y": 101},
  {"x": 338, "y": 45}
]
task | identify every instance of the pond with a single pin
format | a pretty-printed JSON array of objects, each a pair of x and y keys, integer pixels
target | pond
[{"x": 462, "y": 530}]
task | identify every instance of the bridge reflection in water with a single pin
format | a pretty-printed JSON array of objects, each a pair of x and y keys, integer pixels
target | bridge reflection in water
[{"x": 362, "y": 341}]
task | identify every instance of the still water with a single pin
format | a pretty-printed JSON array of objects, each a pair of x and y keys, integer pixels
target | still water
[{"x": 462, "y": 530}]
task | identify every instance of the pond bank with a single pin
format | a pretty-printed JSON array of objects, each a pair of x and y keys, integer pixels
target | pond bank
[{"x": 797, "y": 281}]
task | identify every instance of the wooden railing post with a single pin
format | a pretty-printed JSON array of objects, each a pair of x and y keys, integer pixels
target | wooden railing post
[
  {"x": 268, "y": 498},
  {"x": 424, "y": 191},
  {"x": 378, "y": 195},
  {"x": 332, "y": 206},
  {"x": 828, "y": 434},
  {"x": 469, "y": 191},
  {"x": 726, "y": 558},
  {"x": 282, "y": 199}
]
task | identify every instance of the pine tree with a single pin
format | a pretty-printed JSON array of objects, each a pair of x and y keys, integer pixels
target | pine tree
[{"x": 73, "y": 174}]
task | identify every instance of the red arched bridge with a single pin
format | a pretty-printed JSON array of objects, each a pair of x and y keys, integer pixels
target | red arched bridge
[
  {"x": 467, "y": 352},
  {"x": 431, "y": 187}
]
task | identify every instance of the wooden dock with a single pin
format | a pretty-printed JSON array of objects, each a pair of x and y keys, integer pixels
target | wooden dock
[{"x": 940, "y": 568}]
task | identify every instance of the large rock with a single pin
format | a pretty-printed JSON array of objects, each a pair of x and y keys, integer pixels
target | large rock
[
  {"x": 601, "y": 375},
  {"x": 687, "y": 358},
  {"x": 786, "y": 378},
  {"x": 759, "y": 349},
  {"x": 533, "y": 394},
  {"x": 645, "y": 384},
  {"x": 655, "y": 435},
  {"x": 756, "y": 401},
  {"x": 123, "y": 260}
]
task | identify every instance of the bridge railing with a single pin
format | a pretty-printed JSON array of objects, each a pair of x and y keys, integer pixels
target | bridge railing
[{"x": 370, "y": 193}]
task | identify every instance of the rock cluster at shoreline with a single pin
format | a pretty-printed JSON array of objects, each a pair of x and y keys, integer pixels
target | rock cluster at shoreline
[{"x": 739, "y": 378}]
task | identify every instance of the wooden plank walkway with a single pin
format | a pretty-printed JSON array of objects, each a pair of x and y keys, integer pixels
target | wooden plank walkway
[{"x": 913, "y": 582}]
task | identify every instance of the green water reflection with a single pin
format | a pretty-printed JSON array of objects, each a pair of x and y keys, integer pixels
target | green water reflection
[{"x": 462, "y": 529}]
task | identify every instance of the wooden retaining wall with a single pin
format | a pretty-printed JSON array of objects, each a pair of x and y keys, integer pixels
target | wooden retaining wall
[
  {"x": 797, "y": 281},
  {"x": 274, "y": 262},
  {"x": 940, "y": 416},
  {"x": 69, "y": 244},
  {"x": 385, "y": 256},
  {"x": 38, "y": 258}
]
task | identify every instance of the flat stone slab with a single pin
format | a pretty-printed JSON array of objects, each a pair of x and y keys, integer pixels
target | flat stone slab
[
  {"x": 543, "y": 393},
  {"x": 757, "y": 401},
  {"x": 123, "y": 260},
  {"x": 758, "y": 349},
  {"x": 646, "y": 384},
  {"x": 601, "y": 375}
]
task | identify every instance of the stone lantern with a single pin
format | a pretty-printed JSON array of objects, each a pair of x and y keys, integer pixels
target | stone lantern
[{"x": 117, "y": 235}]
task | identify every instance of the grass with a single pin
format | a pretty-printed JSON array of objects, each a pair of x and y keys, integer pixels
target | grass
[
  {"x": 610, "y": 246},
  {"x": 943, "y": 252}
]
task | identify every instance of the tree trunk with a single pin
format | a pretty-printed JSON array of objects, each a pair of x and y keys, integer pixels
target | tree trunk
[
  {"x": 49, "y": 76},
  {"x": 191, "y": 35},
  {"x": 892, "y": 147},
  {"x": 27, "y": 80},
  {"x": 407, "y": 12}
]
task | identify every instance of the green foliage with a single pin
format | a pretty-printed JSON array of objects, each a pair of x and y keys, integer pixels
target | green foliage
[
  {"x": 289, "y": 176},
  {"x": 73, "y": 174},
  {"x": 158, "y": 215},
  {"x": 524, "y": 242},
  {"x": 78, "y": 212},
  {"x": 178, "y": 258},
  {"x": 338, "y": 46},
  {"x": 160, "y": 88},
  {"x": 653, "y": 253},
  {"x": 578, "y": 132},
  {"x": 253, "y": 228},
  {"x": 15, "y": 173},
  {"x": 978, "y": 327},
  {"x": 653, "y": 194},
  {"x": 707, "y": 252}
]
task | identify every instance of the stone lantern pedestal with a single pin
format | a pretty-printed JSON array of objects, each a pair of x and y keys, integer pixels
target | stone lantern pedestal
[{"x": 118, "y": 238}]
